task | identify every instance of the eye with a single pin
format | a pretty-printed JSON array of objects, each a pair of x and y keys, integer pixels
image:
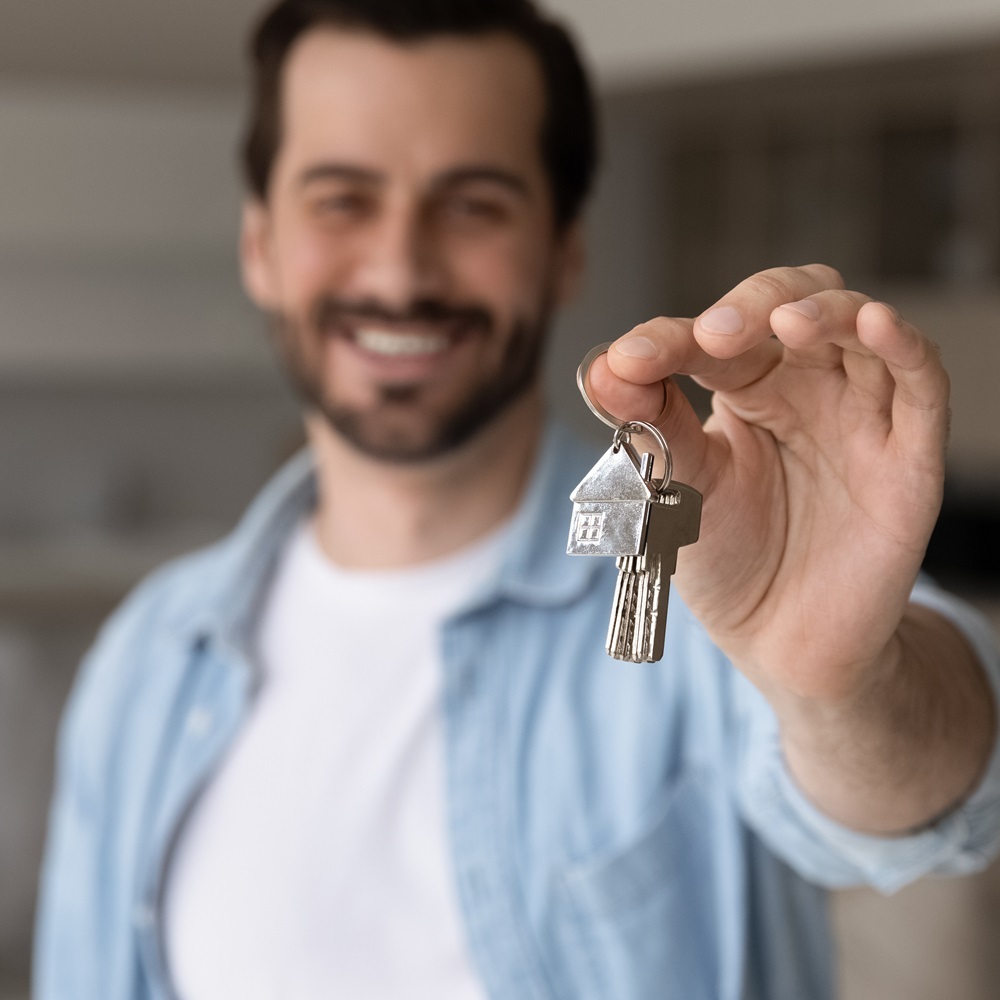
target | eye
[
  {"x": 341, "y": 204},
  {"x": 476, "y": 209}
]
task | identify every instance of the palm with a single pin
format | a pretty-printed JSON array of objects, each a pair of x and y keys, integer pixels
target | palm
[
  {"x": 825, "y": 527},
  {"x": 822, "y": 480}
]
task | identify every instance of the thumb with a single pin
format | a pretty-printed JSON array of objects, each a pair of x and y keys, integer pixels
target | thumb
[{"x": 662, "y": 404}]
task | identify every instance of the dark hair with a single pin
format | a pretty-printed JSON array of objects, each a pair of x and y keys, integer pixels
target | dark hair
[{"x": 569, "y": 130}]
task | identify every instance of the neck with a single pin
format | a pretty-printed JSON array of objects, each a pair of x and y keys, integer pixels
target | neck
[{"x": 376, "y": 514}]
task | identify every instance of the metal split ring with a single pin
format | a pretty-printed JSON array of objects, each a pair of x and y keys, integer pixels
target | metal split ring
[
  {"x": 623, "y": 435},
  {"x": 623, "y": 429},
  {"x": 581, "y": 375}
]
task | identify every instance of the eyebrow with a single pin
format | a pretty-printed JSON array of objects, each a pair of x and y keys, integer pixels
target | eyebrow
[
  {"x": 450, "y": 178},
  {"x": 340, "y": 171},
  {"x": 491, "y": 175}
]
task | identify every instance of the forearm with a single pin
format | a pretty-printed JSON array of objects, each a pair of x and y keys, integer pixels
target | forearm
[{"x": 906, "y": 749}]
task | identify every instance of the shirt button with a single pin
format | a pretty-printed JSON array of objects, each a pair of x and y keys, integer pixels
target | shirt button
[{"x": 143, "y": 916}]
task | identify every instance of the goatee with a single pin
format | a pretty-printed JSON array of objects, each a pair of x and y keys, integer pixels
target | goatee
[{"x": 374, "y": 431}]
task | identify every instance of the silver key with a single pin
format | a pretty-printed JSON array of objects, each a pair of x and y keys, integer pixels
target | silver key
[
  {"x": 628, "y": 617},
  {"x": 619, "y": 511},
  {"x": 673, "y": 520}
]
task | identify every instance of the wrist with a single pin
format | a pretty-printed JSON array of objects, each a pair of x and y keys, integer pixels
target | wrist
[
  {"x": 859, "y": 696},
  {"x": 905, "y": 746}
]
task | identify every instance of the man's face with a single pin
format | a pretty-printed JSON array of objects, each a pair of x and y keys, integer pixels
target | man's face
[{"x": 407, "y": 247}]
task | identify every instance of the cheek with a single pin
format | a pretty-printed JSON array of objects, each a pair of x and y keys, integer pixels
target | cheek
[
  {"x": 508, "y": 271},
  {"x": 309, "y": 266}
]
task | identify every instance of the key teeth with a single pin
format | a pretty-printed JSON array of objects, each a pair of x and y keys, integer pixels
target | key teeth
[
  {"x": 622, "y": 630},
  {"x": 635, "y": 632},
  {"x": 619, "y": 641}
]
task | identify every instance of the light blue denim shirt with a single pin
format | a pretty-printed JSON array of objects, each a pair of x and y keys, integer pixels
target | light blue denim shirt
[{"x": 618, "y": 831}]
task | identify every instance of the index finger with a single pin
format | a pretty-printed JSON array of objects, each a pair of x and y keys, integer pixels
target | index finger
[
  {"x": 742, "y": 318},
  {"x": 662, "y": 347}
]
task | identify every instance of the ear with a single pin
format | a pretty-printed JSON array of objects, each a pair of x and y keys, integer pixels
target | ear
[
  {"x": 572, "y": 261},
  {"x": 257, "y": 255}
]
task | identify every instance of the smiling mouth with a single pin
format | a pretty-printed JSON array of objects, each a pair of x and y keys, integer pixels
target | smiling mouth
[{"x": 401, "y": 343}]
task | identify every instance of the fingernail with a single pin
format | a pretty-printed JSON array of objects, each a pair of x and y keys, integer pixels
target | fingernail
[
  {"x": 724, "y": 319},
  {"x": 804, "y": 307},
  {"x": 636, "y": 347}
]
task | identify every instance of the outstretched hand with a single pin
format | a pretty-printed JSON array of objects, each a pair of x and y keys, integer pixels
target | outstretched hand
[{"x": 821, "y": 467}]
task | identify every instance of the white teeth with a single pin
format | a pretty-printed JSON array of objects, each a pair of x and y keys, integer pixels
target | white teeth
[{"x": 393, "y": 344}]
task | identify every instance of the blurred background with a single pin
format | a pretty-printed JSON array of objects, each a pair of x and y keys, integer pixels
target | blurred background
[{"x": 140, "y": 411}]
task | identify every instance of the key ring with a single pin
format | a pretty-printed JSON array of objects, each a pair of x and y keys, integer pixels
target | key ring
[
  {"x": 623, "y": 429},
  {"x": 623, "y": 435},
  {"x": 581, "y": 374}
]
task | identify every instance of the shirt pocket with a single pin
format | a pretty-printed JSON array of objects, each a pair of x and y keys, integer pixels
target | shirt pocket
[{"x": 653, "y": 919}]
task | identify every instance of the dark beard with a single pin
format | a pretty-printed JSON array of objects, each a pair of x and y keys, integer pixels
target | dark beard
[{"x": 484, "y": 402}]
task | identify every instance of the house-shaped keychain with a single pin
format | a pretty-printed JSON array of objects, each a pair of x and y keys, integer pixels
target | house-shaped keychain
[{"x": 611, "y": 505}]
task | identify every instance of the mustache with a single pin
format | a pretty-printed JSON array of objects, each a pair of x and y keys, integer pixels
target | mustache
[{"x": 329, "y": 312}]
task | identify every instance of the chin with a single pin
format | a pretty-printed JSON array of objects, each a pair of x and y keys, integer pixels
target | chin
[{"x": 400, "y": 433}]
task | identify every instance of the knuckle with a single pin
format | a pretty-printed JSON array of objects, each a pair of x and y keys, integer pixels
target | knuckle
[
  {"x": 826, "y": 274},
  {"x": 661, "y": 327},
  {"x": 775, "y": 283},
  {"x": 663, "y": 323},
  {"x": 786, "y": 284},
  {"x": 849, "y": 300}
]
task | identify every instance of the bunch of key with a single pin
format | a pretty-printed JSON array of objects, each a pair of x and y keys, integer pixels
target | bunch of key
[{"x": 618, "y": 510}]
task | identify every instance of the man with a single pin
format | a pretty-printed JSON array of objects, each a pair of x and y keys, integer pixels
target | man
[{"x": 370, "y": 746}]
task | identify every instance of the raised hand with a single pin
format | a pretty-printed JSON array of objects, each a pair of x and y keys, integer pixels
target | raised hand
[{"x": 821, "y": 467}]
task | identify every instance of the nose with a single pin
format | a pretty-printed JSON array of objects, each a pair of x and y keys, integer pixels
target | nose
[{"x": 400, "y": 261}]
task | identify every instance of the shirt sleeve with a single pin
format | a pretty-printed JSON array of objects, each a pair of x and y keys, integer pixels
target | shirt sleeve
[
  {"x": 824, "y": 851},
  {"x": 79, "y": 942},
  {"x": 68, "y": 928}
]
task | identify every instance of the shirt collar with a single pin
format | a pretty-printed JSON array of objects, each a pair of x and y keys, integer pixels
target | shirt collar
[{"x": 535, "y": 569}]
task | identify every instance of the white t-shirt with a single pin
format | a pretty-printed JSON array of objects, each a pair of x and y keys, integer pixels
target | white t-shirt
[{"x": 316, "y": 863}]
